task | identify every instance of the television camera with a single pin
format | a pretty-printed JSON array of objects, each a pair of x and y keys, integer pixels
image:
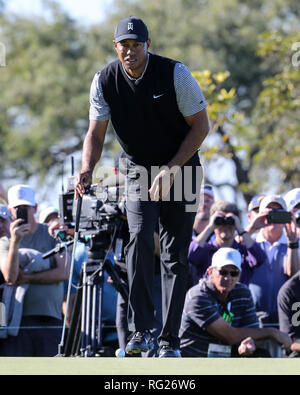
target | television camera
[{"x": 99, "y": 221}]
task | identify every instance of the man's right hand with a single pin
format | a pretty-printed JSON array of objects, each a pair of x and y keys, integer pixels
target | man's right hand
[
  {"x": 247, "y": 347},
  {"x": 82, "y": 180},
  {"x": 258, "y": 222},
  {"x": 18, "y": 230}
]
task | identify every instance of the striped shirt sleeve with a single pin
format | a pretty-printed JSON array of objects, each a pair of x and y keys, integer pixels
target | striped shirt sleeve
[
  {"x": 99, "y": 109},
  {"x": 189, "y": 95}
]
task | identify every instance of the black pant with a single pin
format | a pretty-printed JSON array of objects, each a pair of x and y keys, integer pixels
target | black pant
[{"x": 175, "y": 231}]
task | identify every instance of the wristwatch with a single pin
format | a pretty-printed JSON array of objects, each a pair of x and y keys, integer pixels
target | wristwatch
[{"x": 294, "y": 245}]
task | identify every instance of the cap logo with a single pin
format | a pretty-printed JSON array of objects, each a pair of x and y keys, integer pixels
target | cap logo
[
  {"x": 130, "y": 26},
  {"x": 230, "y": 255}
]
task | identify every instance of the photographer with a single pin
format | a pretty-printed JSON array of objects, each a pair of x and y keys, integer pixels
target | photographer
[
  {"x": 224, "y": 223},
  {"x": 253, "y": 212},
  {"x": 41, "y": 322},
  {"x": 277, "y": 237},
  {"x": 207, "y": 199},
  {"x": 292, "y": 199}
]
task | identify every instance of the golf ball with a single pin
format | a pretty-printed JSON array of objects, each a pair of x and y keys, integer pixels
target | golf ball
[{"x": 120, "y": 353}]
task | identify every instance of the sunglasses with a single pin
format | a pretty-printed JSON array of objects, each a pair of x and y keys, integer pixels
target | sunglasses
[{"x": 232, "y": 273}]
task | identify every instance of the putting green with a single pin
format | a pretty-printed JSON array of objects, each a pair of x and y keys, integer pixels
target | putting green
[{"x": 150, "y": 366}]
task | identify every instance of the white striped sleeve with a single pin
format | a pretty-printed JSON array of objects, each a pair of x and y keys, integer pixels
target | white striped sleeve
[
  {"x": 189, "y": 95},
  {"x": 99, "y": 109}
]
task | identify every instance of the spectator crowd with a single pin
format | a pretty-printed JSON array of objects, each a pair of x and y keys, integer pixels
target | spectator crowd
[{"x": 243, "y": 294}]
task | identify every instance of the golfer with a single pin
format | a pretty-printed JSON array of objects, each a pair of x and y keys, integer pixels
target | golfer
[{"x": 159, "y": 116}]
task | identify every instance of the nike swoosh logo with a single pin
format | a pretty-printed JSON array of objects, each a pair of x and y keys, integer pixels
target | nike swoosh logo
[{"x": 157, "y": 96}]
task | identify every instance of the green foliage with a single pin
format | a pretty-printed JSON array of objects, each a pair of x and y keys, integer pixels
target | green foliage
[
  {"x": 277, "y": 113},
  {"x": 242, "y": 50},
  {"x": 220, "y": 101},
  {"x": 45, "y": 93}
]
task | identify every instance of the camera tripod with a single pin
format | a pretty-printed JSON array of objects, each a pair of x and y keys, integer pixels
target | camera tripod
[{"x": 85, "y": 336}]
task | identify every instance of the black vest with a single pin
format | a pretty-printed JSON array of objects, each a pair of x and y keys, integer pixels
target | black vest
[{"x": 146, "y": 118}]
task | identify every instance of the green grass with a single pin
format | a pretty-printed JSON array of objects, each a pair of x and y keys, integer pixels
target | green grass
[{"x": 150, "y": 366}]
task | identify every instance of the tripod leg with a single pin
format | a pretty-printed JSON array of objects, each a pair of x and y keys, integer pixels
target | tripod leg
[
  {"x": 94, "y": 304},
  {"x": 83, "y": 313},
  {"x": 88, "y": 318},
  {"x": 100, "y": 332},
  {"x": 73, "y": 338}
]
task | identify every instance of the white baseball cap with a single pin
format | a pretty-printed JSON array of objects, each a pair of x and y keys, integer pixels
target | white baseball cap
[
  {"x": 292, "y": 198},
  {"x": 227, "y": 256},
  {"x": 44, "y": 214},
  {"x": 21, "y": 195},
  {"x": 271, "y": 199}
]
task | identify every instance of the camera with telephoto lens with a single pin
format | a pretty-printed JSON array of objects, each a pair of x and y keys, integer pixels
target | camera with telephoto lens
[
  {"x": 102, "y": 213},
  {"x": 279, "y": 216},
  {"x": 224, "y": 221}
]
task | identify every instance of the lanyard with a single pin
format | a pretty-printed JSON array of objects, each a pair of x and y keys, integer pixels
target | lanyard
[{"x": 228, "y": 315}]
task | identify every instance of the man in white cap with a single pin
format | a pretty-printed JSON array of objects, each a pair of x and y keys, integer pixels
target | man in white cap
[
  {"x": 292, "y": 199},
  {"x": 42, "y": 307},
  {"x": 48, "y": 215},
  {"x": 219, "y": 313},
  {"x": 279, "y": 241}
]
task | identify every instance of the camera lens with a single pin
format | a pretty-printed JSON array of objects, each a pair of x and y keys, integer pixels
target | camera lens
[
  {"x": 219, "y": 221},
  {"x": 229, "y": 221}
]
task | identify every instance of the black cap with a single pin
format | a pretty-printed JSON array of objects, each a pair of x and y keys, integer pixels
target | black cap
[{"x": 131, "y": 28}]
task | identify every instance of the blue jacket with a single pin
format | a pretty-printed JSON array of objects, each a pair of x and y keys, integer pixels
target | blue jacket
[{"x": 267, "y": 280}]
